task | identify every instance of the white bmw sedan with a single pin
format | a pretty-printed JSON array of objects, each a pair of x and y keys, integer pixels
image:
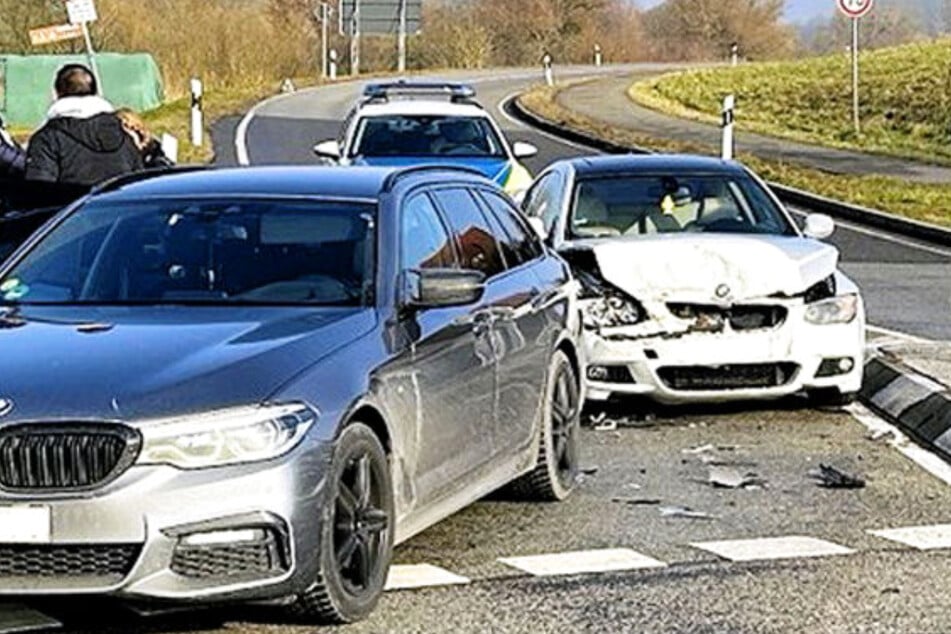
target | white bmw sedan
[{"x": 698, "y": 286}]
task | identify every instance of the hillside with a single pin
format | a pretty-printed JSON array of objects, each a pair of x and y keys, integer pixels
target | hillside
[{"x": 906, "y": 99}]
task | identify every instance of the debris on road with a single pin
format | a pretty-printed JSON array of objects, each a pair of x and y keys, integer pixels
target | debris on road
[
  {"x": 731, "y": 478},
  {"x": 696, "y": 451},
  {"x": 603, "y": 422},
  {"x": 684, "y": 512},
  {"x": 585, "y": 473},
  {"x": 638, "y": 501},
  {"x": 832, "y": 478}
]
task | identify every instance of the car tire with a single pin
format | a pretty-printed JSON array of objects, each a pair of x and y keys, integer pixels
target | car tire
[
  {"x": 356, "y": 532},
  {"x": 831, "y": 398},
  {"x": 556, "y": 468}
]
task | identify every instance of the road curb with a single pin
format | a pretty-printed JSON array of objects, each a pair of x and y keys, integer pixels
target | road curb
[
  {"x": 917, "y": 404},
  {"x": 917, "y": 230}
]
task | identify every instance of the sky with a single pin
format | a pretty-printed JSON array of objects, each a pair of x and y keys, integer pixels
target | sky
[{"x": 796, "y": 10}]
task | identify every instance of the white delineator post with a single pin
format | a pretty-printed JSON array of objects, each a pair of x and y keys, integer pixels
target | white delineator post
[
  {"x": 401, "y": 40},
  {"x": 333, "y": 64},
  {"x": 197, "y": 122},
  {"x": 598, "y": 59},
  {"x": 549, "y": 74},
  {"x": 729, "y": 121},
  {"x": 735, "y": 54}
]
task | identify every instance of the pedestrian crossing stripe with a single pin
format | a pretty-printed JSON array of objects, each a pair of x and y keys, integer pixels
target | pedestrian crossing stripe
[
  {"x": 582, "y": 562},
  {"x": 773, "y": 548},
  {"x": 410, "y": 577},
  {"x": 933, "y": 537}
]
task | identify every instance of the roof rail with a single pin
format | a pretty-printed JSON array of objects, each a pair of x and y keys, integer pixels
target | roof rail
[
  {"x": 395, "y": 176},
  {"x": 457, "y": 93},
  {"x": 143, "y": 175}
]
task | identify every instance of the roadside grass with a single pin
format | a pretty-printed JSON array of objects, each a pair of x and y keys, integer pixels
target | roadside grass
[
  {"x": 905, "y": 96},
  {"x": 926, "y": 202}
]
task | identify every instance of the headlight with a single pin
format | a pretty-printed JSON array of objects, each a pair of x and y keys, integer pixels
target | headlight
[
  {"x": 612, "y": 311},
  {"x": 838, "y": 310},
  {"x": 244, "y": 434}
]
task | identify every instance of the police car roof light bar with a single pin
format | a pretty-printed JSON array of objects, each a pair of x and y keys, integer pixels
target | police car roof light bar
[{"x": 383, "y": 91}]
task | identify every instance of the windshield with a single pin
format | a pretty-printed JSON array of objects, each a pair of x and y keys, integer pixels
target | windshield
[
  {"x": 640, "y": 205},
  {"x": 201, "y": 252},
  {"x": 427, "y": 136}
]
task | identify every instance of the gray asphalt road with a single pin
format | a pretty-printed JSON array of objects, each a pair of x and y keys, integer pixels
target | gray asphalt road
[{"x": 877, "y": 586}]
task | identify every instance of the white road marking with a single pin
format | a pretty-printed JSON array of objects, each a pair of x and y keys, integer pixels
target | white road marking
[
  {"x": 772, "y": 548},
  {"x": 900, "y": 336},
  {"x": 933, "y": 537},
  {"x": 922, "y": 457},
  {"x": 421, "y": 576},
  {"x": 583, "y": 562},
  {"x": 551, "y": 137}
]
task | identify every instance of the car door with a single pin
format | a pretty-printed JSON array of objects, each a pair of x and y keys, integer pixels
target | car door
[
  {"x": 453, "y": 365},
  {"x": 523, "y": 343}
]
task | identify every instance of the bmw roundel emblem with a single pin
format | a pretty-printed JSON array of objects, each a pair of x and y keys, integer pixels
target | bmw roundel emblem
[
  {"x": 6, "y": 406},
  {"x": 723, "y": 291}
]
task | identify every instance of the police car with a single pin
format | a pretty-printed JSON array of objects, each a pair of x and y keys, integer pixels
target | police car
[{"x": 409, "y": 123}]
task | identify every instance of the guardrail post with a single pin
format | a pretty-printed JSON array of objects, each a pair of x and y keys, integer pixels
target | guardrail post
[
  {"x": 197, "y": 116},
  {"x": 729, "y": 121}
]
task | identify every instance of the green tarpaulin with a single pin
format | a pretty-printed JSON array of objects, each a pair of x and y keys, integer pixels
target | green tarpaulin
[{"x": 26, "y": 83}]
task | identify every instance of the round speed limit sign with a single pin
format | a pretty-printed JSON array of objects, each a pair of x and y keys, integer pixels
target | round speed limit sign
[{"x": 855, "y": 8}]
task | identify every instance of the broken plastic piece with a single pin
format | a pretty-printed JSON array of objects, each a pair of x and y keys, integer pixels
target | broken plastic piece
[
  {"x": 731, "y": 478},
  {"x": 637, "y": 501},
  {"x": 833, "y": 478},
  {"x": 684, "y": 512}
]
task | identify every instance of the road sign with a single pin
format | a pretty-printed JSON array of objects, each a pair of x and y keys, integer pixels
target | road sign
[
  {"x": 380, "y": 17},
  {"x": 55, "y": 33},
  {"x": 81, "y": 11},
  {"x": 855, "y": 8}
]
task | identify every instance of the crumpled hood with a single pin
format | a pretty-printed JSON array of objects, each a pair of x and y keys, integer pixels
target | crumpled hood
[
  {"x": 495, "y": 169},
  {"x": 690, "y": 268},
  {"x": 145, "y": 362}
]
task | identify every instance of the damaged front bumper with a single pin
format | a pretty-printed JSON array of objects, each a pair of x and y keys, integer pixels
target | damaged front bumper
[{"x": 702, "y": 366}]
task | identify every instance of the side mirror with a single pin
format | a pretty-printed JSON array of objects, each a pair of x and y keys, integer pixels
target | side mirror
[
  {"x": 523, "y": 150},
  {"x": 818, "y": 226},
  {"x": 328, "y": 149},
  {"x": 435, "y": 288}
]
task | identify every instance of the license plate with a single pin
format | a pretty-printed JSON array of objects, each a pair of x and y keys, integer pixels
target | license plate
[{"x": 25, "y": 525}]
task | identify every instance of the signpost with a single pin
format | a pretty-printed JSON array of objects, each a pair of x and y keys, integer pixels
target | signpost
[
  {"x": 379, "y": 17},
  {"x": 81, "y": 13},
  {"x": 855, "y": 10}
]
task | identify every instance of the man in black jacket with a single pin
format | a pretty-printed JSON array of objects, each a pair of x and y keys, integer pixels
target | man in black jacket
[{"x": 82, "y": 141}]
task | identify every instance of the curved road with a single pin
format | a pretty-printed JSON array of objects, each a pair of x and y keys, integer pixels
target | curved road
[{"x": 907, "y": 285}]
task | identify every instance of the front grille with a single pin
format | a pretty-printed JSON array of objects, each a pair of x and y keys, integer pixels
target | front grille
[
  {"x": 740, "y": 317},
  {"x": 95, "y": 560},
  {"x": 44, "y": 457},
  {"x": 727, "y": 377},
  {"x": 263, "y": 556}
]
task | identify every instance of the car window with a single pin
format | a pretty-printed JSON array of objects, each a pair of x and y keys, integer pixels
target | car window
[
  {"x": 519, "y": 243},
  {"x": 418, "y": 135},
  {"x": 685, "y": 203},
  {"x": 474, "y": 237},
  {"x": 543, "y": 201},
  {"x": 203, "y": 251},
  {"x": 424, "y": 241}
]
